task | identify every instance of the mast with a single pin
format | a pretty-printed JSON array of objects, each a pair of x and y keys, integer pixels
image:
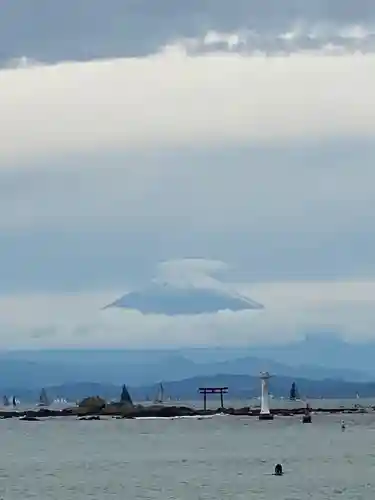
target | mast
[
  {"x": 125, "y": 396},
  {"x": 43, "y": 398},
  {"x": 160, "y": 394},
  {"x": 293, "y": 392}
]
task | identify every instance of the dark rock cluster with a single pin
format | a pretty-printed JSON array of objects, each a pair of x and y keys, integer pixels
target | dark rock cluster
[{"x": 95, "y": 408}]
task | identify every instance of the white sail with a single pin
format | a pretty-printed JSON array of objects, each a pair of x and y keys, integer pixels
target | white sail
[
  {"x": 43, "y": 398},
  {"x": 160, "y": 394}
]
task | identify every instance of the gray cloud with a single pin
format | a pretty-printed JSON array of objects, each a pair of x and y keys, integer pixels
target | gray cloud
[
  {"x": 133, "y": 161},
  {"x": 54, "y": 31},
  {"x": 273, "y": 213},
  {"x": 292, "y": 310}
]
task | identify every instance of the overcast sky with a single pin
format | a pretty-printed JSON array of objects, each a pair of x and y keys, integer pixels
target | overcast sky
[{"x": 140, "y": 132}]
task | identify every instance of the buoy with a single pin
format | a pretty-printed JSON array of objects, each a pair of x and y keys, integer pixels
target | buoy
[
  {"x": 343, "y": 427},
  {"x": 278, "y": 470}
]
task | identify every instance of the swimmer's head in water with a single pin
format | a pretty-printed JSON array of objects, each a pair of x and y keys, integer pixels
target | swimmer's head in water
[{"x": 278, "y": 469}]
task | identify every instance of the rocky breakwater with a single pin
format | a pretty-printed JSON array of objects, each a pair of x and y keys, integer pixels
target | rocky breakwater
[
  {"x": 36, "y": 414},
  {"x": 254, "y": 412},
  {"x": 122, "y": 409},
  {"x": 96, "y": 408}
]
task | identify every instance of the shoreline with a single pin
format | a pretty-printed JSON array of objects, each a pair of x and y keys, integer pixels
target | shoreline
[{"x": 119, "y": 411}]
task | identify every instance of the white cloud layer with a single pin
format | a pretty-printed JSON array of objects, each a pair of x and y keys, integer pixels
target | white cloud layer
[
  {"x": 173, "y": 99},
  {"x": 291, "y": 311},
  {"x": 190, "y": 272},
  {"x": 324, "y": 37}
]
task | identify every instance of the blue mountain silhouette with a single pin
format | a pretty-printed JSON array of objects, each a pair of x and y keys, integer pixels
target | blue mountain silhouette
[{"x": 173, "y": 300}]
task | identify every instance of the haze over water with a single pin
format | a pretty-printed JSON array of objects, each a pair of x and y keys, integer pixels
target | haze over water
[{"x": 187, "y": 459}]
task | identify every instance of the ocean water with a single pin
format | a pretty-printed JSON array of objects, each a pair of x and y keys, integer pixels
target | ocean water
[{"x": 223, "y": 457}]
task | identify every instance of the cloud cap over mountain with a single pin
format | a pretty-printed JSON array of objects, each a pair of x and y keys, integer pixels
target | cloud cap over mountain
[{"x": 184, "y": 287}]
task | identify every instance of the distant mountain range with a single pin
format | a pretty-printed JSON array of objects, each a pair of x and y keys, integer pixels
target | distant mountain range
[
  {"x": 139, "y": 369},
  {"x": 316, "y": 359},
  {"x": 241, "y": 387},
  {"x": 245, "y": 386}
]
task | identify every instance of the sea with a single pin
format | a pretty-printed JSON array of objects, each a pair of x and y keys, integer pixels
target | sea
[{"x": 223, "y": 457}]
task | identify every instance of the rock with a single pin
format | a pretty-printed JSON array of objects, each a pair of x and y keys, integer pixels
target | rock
[
  {"x": 117, "y": 408},
  {"x": 9, "y": 415},
  {"x": 91, "y": 417},
  {"x": 45, "y": 412},
  {"x": 162, "y": 411},
  {"x": 29, "y": 418},
  {"x": 121, "y": 417},
  {"x": 92, "y": 403}
]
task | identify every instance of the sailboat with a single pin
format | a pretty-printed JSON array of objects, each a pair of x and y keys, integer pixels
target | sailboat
[
  {"x": 60, "y": 401},
  {"x": 125, "y": 398},
  {"x": 160, "y": 394},
  {"x": 14, "y": 401},
  {"x": 6, "y": 401},
  {"x": 293, "y": 394},
  {"x": 43, "y": 398}
]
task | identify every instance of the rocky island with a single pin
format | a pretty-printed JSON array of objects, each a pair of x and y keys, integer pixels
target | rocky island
[
  {"x": 96, "y": 408},
  {"x": 120, "y": 411}
]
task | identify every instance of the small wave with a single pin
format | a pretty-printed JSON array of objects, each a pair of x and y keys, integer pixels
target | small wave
[{"x": 182, "y": 417}]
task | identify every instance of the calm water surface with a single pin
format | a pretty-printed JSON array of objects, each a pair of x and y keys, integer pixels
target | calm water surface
[{"x": 186, "y": 459}]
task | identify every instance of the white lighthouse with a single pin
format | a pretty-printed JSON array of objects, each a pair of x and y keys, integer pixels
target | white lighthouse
[{"x": 265, "y": 413}]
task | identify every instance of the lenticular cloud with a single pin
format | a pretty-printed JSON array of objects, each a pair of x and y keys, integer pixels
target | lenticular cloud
[{"x": 184, "y": 288}]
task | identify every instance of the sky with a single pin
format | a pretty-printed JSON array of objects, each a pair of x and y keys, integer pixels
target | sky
[{"x": 235, "y": 132}]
